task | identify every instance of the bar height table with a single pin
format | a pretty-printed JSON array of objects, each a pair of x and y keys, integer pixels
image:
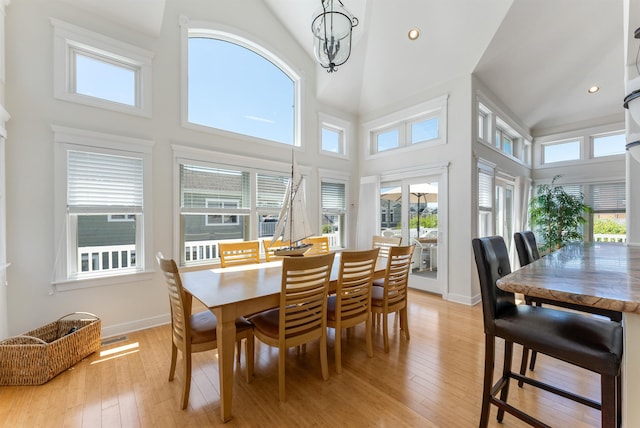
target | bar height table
[{"x": 603, "y": 275}]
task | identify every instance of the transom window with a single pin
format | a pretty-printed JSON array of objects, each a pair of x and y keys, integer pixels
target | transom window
[
  {"x": 562, "y": 151},
  {"x": 235, "y": 85},
  {"x": 95, "y": 70},
  {"x": 607, "y": 145},
  {"x": 423, "y": 124}
]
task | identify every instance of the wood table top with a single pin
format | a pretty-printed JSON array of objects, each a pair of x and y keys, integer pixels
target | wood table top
[
  {"x": 603, "y": 275},
  {"x": 223, "y": 286}
]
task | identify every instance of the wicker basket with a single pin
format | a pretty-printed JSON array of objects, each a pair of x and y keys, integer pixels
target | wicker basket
[{"x": 41, "y": 354}]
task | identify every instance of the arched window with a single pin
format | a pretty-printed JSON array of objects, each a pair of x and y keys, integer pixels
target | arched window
[{"x": 237, "y": 86}]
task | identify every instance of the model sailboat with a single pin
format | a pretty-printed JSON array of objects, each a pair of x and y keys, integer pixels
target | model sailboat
[{"x": 293, "y": 225}]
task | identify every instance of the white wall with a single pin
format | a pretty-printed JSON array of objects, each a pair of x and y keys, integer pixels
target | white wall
[
  {"x": 4, "y": 116},
  {"x": 30, "y": 168},
  {"x": 457, "y": 152}
]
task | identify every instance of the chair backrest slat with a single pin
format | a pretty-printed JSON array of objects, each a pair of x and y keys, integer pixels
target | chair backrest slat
[
  {"x": 353, "y": 292},
  {"x": 397, "y": 274},
  {"x": 320, "y": 245},
  {"x": 269, "y": 249},
  {"x": 303, "y": 300},
  {"x": 384, "y": 243},
  {"x": 179, "y": 317},
  {"x": 239, "y": 253}
]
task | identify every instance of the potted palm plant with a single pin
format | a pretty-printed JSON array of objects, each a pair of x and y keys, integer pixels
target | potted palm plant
[{"x": 557, "y": 215}]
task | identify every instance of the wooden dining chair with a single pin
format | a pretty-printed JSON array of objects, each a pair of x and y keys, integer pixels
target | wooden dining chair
[
  {"x": 302, "y": 314},
  {"x": 269, "y": 249},
  {"x": 191, "y": 333},
  {"x": 351, "y": 305},
  {"x": 320, "y": 245},
  {"x": 527, "y": 250},
  {"x": 594, "y": 344},
  {"x": 384, "y": 243},
  {"x": 392, "y": 296},
  {"x": 239, "y": 253}
]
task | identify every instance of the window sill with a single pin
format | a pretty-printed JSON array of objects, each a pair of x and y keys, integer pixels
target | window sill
[{"x": 81, "y": 283}]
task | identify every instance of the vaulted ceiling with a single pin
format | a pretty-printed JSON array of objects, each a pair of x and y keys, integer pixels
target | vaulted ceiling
[{"x": 538, "y": 57}]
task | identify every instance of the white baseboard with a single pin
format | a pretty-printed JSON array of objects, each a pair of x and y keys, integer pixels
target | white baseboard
[
  {"x": 465, "y": 300},
  {"x": 118, "y": 329}
]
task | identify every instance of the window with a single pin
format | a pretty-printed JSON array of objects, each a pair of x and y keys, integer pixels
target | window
[
  {"x": 334, "y": 209},
  {"x": 216, "y": 205},
  {"x": 102, "y": 187},
  {"x": 500, "y": 133},
  {"x": 484, "y": 121},
  {"x": 608, "y": 219},
  {"x": 253, "y": 94},
  {"x": 485, "y": 200},
  {"x": 387, "y": 140},
  {"x": 270, "y": 191},
  {"x": 421, "y": 125},
  {"x": 95, "y": 70},
  {"x": 559, "y": 152},
  {"x": 424, "y": 130},
  {"x": 212, "y": 197},
  {"x": 333, "y": 135},
  {"x": 607, "y": 145}
]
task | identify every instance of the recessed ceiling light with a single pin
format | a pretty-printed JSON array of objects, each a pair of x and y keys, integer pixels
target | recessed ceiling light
[
  {"x": 593, "y": 89},
  {"x": 414, "y": 33}
]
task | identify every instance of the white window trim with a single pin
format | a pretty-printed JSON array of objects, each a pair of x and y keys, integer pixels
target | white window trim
[
  {"x": 241, "y": 38},
  {"x": 343, "y": 127},
  {"x": 68, "y": 138},
  {"x": 436, "y": 107},
  {"x": 69, "y": 38}
]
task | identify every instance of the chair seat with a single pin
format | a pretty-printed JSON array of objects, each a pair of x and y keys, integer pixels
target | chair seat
[
  {"x": 377, "y": 296},
  {"x": 204, "y": 324},
  {"x": 585, "y": 341}
]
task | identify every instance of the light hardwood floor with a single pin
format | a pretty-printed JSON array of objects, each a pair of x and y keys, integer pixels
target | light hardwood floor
[{"x": 433, "y": 380}]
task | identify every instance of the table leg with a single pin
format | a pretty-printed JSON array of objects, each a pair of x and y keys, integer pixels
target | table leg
[
  {"x": 631, "y": 370},
  {"x": 226, "y": 332}
]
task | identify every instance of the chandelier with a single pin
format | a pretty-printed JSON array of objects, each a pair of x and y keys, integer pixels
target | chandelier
[{"x": 332, "y": 34}]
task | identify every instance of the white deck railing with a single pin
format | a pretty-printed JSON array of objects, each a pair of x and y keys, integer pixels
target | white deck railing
[
  {"x": 117, "y": 257},
  {"x": 107, "y": 257},
  {"x": 608, "y": 237}
]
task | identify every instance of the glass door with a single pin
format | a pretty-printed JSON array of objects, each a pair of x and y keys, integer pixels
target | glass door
[
  {"x": 504, "y": 210},
  {"x": 409, "y": 209}
]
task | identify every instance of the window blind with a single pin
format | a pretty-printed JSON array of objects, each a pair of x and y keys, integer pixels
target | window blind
[
  {"x": 608, "y": 197},
  {"x": 270, "y": 190},
  {"x": 333, "y": 196},
  {"x": 485, "y": 190},
  {"x": 104, "y": 183},
  {"x": 198, "y": 183}
]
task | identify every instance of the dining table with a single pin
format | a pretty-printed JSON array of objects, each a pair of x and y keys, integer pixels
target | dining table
[
  {"x": 238, "y": 291},
  {"x": 598, "y": 274}
]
